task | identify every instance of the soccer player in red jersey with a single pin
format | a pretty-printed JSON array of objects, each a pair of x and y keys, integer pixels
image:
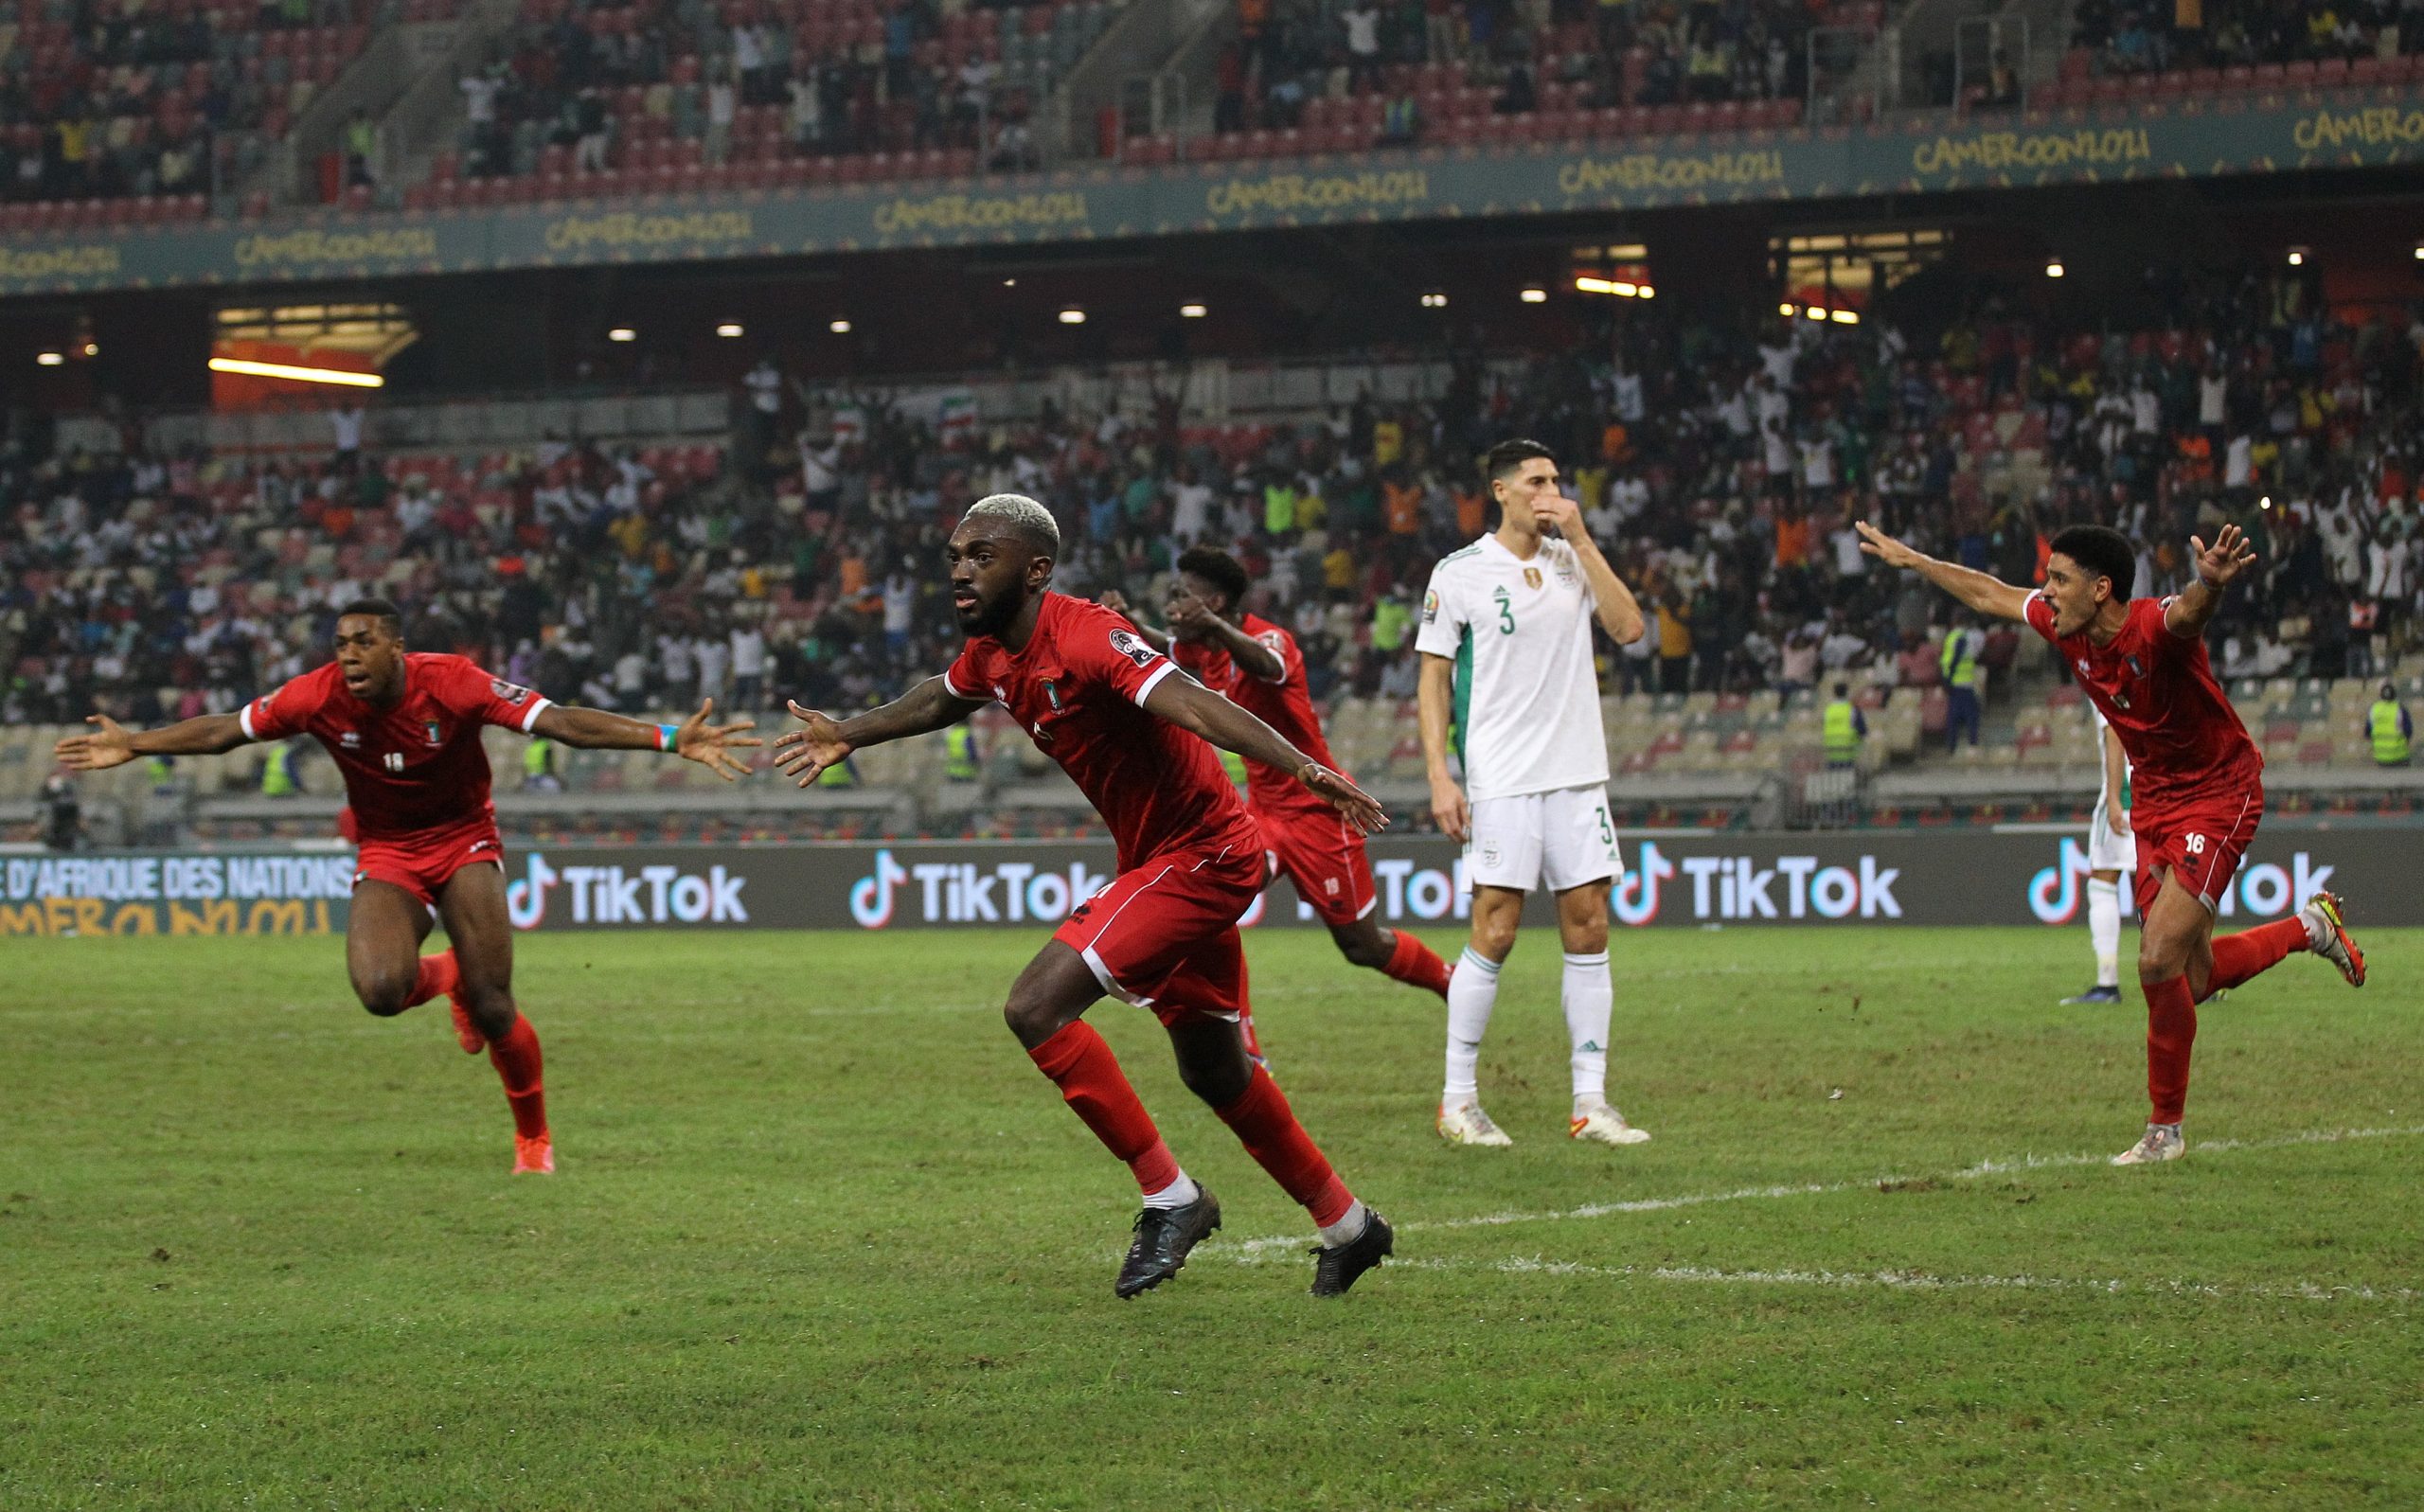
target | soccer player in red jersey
[
  {"x": 1130, "y": 728},
  {"x": 1255, "y": 664},
  {"x": 403, "y": 728},
  {"x": 2198, "y": 778}
]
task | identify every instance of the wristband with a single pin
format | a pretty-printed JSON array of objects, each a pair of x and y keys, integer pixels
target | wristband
[{"x": 668, "y": 736}]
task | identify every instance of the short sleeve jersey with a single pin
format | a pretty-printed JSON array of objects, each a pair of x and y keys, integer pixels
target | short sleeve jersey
[
  {"x": 1078, "y": 688},
  {"x": 1285, "y": 704},
  {"x": 1526, "y": 693},
  {"x": 2183, "y": 739},
  {"x": 417, "y": 766}
]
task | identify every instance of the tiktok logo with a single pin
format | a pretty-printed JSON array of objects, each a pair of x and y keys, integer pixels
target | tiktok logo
[
  {"x": 1635, "y": 900},
  {"x": 526, "y": 901},
  {"x": 871, "y": 895}
]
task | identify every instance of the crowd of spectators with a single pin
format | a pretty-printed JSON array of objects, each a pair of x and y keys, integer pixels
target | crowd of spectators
[
  {"x": 1521, "y": 52},
  {"x": 582, "y": 91},
  {"x": 2156, "y": 36},
  {"x": 110, "y": 99},
  {"x": 1720, "y": 466}
]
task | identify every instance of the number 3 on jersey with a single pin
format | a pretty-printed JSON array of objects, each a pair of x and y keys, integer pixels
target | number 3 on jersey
[{"x": 1505, "y": 611}]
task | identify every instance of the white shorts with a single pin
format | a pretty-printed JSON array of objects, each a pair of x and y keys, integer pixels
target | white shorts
[
  {"x": 1559, "y": 839},
  {"x": 2107, "y": 851}
]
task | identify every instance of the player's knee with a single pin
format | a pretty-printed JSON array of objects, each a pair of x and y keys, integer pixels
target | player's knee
[
  {"x": 1218, "y": 1084},
  {"x": 1031, "y": 1017},
  {"x": 1366, "y": 948},
  {"x": 492, "y": 1008},
  {"x": 1494, "y": 938},
  {"x": 2160, "y": 959},
  {"x": 384, "y": 994}
]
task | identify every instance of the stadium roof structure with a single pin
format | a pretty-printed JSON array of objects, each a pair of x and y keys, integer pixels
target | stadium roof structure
[{"x": 2182, "y": 137}]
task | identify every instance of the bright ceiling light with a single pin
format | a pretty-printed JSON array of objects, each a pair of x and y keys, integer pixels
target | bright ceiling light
[
  {"x": 1193, "y": 312},
  {"x": 50, "y": 358},
  {"x": 839, "y": 326},
  {"x": 729, "y": 329},
  {"x": 2054, "y": 268},
  {"x": 299, "y": 375},
  {"x": 622, "y": 333},
  {"x": 1535, "y": 297},
  {"x": 1073, "y": 316}
]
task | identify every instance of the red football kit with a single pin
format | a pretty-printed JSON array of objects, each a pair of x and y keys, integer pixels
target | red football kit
[
  {"x": 1308, "y": 839},
  {"x": 2197, "y": 779},
  {"x": 415, "y": 774},
  {"x": 1163, "y": 933}
]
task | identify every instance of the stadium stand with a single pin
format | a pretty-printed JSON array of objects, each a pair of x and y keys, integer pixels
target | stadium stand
[
  {"x": 1723, "y": 468},
  {"x": 122, "y": 114},
  {"x": 2127, "y": 53},
  {"x": 649, "y": 99}
]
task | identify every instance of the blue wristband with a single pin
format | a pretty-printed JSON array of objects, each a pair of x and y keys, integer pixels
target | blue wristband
[{"x": 668, "y": 736}]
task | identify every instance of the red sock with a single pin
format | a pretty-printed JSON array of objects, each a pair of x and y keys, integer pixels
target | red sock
[
  {"x": 516, "y": 1059},
  {"x": 1413, "y": 963},
  {"x": 2252, "y": 951},
  {"x": 1267, "y": 1127},
  {"x": 434, "y": 976},
  {"x": 2171, "y": 1029},
  {"x": 1087, "y": 1075}
]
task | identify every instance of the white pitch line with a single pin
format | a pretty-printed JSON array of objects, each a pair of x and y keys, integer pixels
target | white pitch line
[
  {"x": 1904, "y": 1280},
  {"x": 1247, "y": 1249}
]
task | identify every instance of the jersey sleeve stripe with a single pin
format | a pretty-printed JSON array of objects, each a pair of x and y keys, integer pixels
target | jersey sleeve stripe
[
  {"x": 956, "y": 691},
  {"x": 1144, "y": 689},
  {"x": 244, "y": 721},
  {"x": 537, "y": 706}
]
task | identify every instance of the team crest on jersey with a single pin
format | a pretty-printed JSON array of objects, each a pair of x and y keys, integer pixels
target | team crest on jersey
[
  {"x": 1531, "y": 576},
  {"x": 1130, "y": 647},
  {"x": 2136, "y": 670},
  {"x": 429, "y": 728},
  {"x": 507, "y": 691}
]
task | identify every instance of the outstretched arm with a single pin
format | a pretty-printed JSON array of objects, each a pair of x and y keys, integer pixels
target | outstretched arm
[
  {"x": 2217, "y": 565},
  {"x": 111, "y": 744},
  {"x": 693, "y": 740},
  {"x": 826, "y": 741},
  {"x": 1987, "y": 595},
  {"x": 1199, "y": 711}
]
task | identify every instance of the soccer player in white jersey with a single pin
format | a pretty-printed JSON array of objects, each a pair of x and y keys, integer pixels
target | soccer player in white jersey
[
  {"x": 1505, "y": 644},
  {"x": 2111, "y": 852}
]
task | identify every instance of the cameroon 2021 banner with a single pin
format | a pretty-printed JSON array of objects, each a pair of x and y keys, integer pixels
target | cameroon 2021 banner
[
  {"x": 2238, "y": 133},
  {"x": 1671, "y": 878}
]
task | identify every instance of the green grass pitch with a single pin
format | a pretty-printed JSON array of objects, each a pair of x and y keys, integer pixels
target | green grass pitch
[{"x": 823, "y": 1238}]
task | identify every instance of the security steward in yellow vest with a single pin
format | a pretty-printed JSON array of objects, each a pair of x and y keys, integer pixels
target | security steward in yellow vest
[
  {"x": 2389, "y": 729},
  {"x": 1842, "y": 728}
]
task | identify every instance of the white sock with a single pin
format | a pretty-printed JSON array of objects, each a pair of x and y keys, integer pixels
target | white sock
[
  {"x": 1177, "y": 1194},
  {"x": 1589, "y": 998},
  {"x": 1350, "y": 1226},
  {"x": 1472, "y": 992},
  {"x": 2104, "y": 927}
]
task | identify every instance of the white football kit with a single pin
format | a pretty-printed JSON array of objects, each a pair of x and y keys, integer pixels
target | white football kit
[
  {"x": 2107, "y": 851},
  {"x": 1526, "y": 714}
]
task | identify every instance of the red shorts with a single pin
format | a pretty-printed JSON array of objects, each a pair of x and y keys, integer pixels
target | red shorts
[
  {"x": 423, "y": 864},
  {"x": 1165, "y": 935},
  {"x": 1323, "y": 855},
  {"x": 2201, "y": 843}
]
